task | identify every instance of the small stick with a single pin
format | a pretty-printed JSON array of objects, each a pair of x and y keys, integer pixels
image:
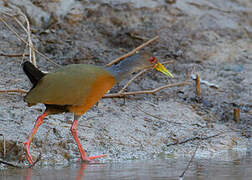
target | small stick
[
  {"x": 237, "y": 115},
  {"x": 131, "y": 80},
  {"x": 114, "y": 95},
  {"x": 153, "y": 91},
  {"x": 28, "y": 32},
  {"x": 132, "y": 52},
  {"x": 21, "y": 166},
  {"x": 189, "y": 163},
  {"x": 14, "y": 90},
  {"x": 21, "y": 39},
  {"x": 10, "y": 164},
  {"x": 13, "y": 55},
  {"x": 198, "y": 85},
  {"x": 195, "y": 138},
  {"x": 139, "y": 74}
]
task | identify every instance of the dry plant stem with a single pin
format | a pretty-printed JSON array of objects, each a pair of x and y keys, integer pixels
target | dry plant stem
[
  {"x": 133, "y": 51},
  {"x": 28, "y": 32},
  {"x": 237, "y": 115},
  {"x": 137, "y": 75},
  {"x": 21, "y": 39},
  {"x": 153, "y": 91},
  {"x": 13, "y": 55},
  {"x": 131, "y": 80},
  {"x": 10, "y": 164},
  {"x": 189, "y": 163},
  {"x": 21, "y": 166},
  {"x": 114, "y": 95},
  {"x": 23, "y": 57},
  {"x": 14, "y": 90},
  {"x": 198, "y": 85},
  {"x": 195, "y": 138}
]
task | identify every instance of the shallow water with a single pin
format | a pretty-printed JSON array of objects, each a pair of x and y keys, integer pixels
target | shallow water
[
  {"x": 209, "y": 37},
  {"x": 148, "y": 170}
]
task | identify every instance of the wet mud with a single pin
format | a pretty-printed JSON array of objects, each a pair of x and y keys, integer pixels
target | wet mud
[{"x": 213, "y": 39}]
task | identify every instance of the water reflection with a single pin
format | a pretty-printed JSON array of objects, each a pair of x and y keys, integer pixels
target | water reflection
[
  {"x": 28, "y": 174},
  {"x": 80, "y": 173},
  {"x": 147, "y": 170}
]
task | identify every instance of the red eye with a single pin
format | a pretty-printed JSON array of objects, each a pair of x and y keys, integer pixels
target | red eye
[{"x": 153, "y": 60}]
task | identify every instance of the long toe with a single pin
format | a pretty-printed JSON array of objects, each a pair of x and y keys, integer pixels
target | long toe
[
  {"x": 91, "y": 158},
  {"x": 96, "y": 157},
  {"x": 28, "y": 155}
]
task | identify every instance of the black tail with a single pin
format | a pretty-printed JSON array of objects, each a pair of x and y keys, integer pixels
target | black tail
[{"x": 33, "y": 73}]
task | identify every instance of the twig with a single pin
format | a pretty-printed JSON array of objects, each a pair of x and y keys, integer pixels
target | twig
[
  {"x": 237, "y": 115},
  {"x": 195, "y": 138},
  {"x": 28, "y": 32},
  {"x": 13, "y": 55},
  {"x": 153, "y": 91},
  {"x": 14, "y": 90},
  {"x": 114, "y": 95},
  {"x": 137, "y": 75},
  {"x": 132, "y": 52},
  {"x": 21, "y": 166},
  {"x": 198, "y": 85},
  {"x": 21, "y": 39},
  {"x": 132, "y": 79},
  {"x": 138, "y": 141},
  {"x": 189, "y": 163},
  {"x": 10, "y": 164}
]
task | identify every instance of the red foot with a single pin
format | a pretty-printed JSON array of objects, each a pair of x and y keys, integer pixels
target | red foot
[
  {"x": 28, "y": 155},
  {"x": 89, "y": 159},
  {"x": 95, "y": 157},
  {"x": 38, "y": 122}
]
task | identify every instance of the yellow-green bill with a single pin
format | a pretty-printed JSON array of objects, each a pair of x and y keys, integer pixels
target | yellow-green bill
[{"x": 162, "y": 69}]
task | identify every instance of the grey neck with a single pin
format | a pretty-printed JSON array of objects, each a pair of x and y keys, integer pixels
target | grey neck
[{"x": 124, "y": 68}]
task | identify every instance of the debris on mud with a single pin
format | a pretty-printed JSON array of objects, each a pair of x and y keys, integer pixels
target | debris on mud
[{"x": 212, "y": 39}]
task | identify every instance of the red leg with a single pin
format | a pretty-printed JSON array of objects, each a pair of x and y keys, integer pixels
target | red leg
[
  {"x": 38, "y": 122},
  {"x": 84, "y": 155}
]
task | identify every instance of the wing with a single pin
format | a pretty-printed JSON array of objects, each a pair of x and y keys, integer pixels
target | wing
[{"x": 70, "y": 85}]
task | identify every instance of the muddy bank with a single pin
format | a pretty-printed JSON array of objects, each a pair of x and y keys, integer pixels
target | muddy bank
[
  {"x": 209, "y": 38},
  {"x": 239, "y": 168}
]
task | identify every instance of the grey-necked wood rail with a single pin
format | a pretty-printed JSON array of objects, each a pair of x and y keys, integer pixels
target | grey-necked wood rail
[{"x": 76, "y": 88}]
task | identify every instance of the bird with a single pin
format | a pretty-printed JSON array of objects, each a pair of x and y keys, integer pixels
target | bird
[{"x": 75, "y": 88}]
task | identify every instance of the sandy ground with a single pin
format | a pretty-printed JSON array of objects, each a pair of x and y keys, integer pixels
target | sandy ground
[{"x": 209, "y": 38}]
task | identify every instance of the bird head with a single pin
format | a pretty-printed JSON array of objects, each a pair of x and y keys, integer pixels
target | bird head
[{"x": 148, "y": 61}]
